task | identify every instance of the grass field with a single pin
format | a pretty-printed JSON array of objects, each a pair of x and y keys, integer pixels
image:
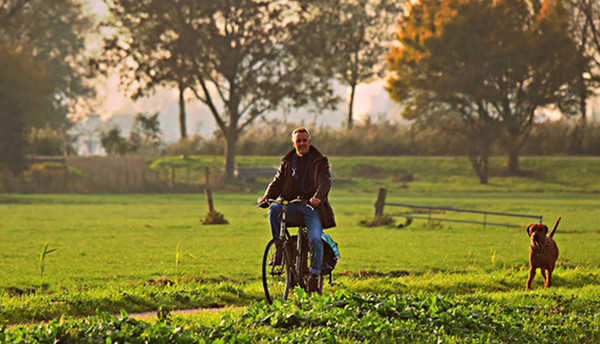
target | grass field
[
  {"x": 108, "y": 247},
  {"x": 430, "y": 174},
  {"x": 116, "y": 239}
]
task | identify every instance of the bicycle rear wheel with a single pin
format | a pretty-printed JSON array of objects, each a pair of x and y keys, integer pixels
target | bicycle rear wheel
[{"x": 275, "y": 274}]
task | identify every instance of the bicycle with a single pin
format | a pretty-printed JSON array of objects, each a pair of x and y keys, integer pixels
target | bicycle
[{"x": 290, "y": 269}]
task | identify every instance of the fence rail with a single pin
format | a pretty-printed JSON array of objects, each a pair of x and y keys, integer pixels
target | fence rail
[{"x": 379, "y": 205}]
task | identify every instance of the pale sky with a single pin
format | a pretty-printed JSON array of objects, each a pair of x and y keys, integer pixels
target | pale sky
[{"x": 96, "y": 7}]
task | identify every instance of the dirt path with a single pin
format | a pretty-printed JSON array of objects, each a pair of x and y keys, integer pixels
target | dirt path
[
  {"x": 145, "y": 315},
  {"x": 148, "y": 315}
]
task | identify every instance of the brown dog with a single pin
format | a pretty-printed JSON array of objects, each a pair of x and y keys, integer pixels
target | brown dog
[{"x": 543, "y": 252}]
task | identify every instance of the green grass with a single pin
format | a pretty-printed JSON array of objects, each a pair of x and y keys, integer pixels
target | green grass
[
  {"x": 110, "y": 246},
  {"x": 117, "y": 239},
  {"x": 345, "y": 316},
  {"x": 430, "y": 174}
]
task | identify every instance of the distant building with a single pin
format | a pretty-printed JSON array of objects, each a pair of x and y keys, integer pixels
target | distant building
[{"x": 88, "y": 131}]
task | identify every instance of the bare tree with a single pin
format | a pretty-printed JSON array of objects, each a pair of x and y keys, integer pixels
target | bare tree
[
  {"x": 359, "y": 35},
  {"x": 241, "y": 58}
]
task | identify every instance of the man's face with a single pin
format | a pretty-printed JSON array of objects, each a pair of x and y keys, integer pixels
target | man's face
[{"x": 301, "y": 143}]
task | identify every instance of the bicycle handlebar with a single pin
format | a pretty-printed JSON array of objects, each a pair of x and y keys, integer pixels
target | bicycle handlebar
[{"x": 267, "y": 202}]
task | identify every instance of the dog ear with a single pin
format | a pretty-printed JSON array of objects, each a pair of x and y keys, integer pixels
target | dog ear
[
  {"x": 545, "y": 230},
  {"x": 529, "y": 229}
]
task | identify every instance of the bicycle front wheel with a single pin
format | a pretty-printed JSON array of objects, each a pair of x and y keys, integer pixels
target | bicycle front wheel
[{"x": 275, "y": 274}]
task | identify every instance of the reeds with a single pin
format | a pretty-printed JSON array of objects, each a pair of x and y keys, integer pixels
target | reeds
[{"x": 45, "y": 251}]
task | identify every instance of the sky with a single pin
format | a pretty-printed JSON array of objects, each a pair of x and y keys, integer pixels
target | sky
[{"x": 116, "y": 108}]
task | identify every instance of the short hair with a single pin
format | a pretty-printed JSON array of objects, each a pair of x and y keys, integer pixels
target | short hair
[{"x": 300, "y": 130}]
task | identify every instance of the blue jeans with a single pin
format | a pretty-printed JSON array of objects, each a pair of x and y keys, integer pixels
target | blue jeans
[{"x": 313, "y": 225}]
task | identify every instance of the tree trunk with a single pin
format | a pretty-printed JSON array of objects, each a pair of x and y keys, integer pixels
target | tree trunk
[
  {"x": 12, "y": 138},
  {"x": 512, "y": 165},
  {"x": 232, "y": 138},
  {"x": 481, "y": 166},
  {"x": 478, "y": 151},
  {"x": 182, "y": 114},
  {"x": 351, "y": 106},
  {"x": 577, "y": 137}
]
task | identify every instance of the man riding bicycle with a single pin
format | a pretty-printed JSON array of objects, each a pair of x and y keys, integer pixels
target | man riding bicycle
[{"x": 303, "y": 173}]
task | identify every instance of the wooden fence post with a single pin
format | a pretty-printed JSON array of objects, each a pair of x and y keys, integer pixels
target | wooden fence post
[
  {"x": 207, "y": 176},
  {"x": 380, "y": 201},
  {"x": 66, "y": 169},
  {"x": 209, "y": 199},
  {"x": 212, "y": 217}
]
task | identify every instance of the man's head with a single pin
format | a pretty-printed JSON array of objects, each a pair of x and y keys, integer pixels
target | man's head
[{"x": 301, "y": 141}]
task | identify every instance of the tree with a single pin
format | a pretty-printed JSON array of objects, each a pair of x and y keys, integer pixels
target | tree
[
  {"x": 145, "y": 134},
  {"x": 55, "y": 32},
  {"x": 144, "y": 138},
  {"x": 145, "y": 59},
  {"x": 360, "y": 34},
  {"x": 242, "y": 58},
  {"x": 25, "y": 101},
  {"x": 43, "y": 72},
  {"x": 113, "y": 143},
  {"x": 584, "y": 28},
  {"x": 47, "y": 142},
  {"x": 488, "y": 64}
]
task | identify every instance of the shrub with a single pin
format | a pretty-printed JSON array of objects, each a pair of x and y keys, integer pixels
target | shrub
[
  {"x": 46, "y": 142},
  {"x": 214, "y": 218},
  {"x": 377, "y": 220}
]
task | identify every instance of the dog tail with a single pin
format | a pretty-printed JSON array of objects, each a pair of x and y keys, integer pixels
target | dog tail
[{"x": 554, "y": 228}]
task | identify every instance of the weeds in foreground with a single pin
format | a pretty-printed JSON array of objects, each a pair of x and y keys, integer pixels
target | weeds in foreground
[
  {"x": 192, "y": 292},
  {"x": 345, "y": 317},
  {"x": 178, "y": 260},
  {"x": 45, "y": 252}
]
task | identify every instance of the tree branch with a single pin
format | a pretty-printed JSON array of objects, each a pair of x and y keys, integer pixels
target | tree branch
[
  {"x": 12, "y": 10},
  {"x": 208, "y": 99},
  {"x": 249, "y": 120}
]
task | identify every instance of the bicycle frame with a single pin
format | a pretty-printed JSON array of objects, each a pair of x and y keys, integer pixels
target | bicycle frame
[
  {"x": 291, "y": 254},
  {"x": 294, "y": 251}
]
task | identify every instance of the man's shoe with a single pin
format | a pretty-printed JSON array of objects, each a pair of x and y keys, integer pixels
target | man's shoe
[
  {"x": 278, "y": 259},
  {"x": 313, "y": 284}
]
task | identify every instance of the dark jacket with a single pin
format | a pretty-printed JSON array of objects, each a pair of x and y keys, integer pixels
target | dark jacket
[{"x": 319, "y": 170}]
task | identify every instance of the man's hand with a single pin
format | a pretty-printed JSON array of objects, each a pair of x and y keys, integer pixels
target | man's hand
[
  {"x": 262, "y": 202},
  {"x": 315, "y": 202}
]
